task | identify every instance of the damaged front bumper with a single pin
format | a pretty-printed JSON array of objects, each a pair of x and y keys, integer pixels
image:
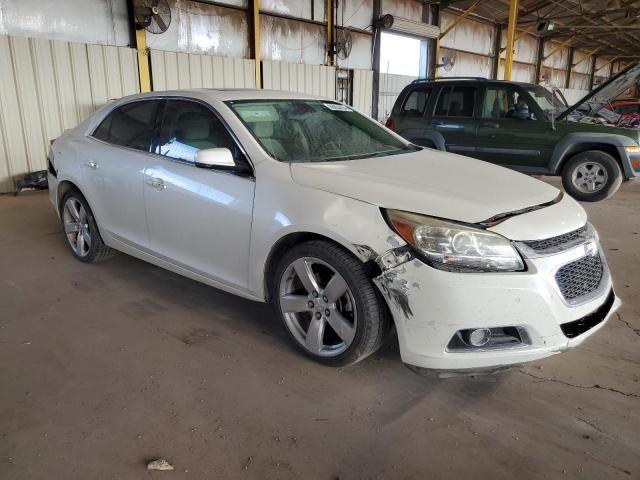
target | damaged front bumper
[{"x": 430, "y": 306}]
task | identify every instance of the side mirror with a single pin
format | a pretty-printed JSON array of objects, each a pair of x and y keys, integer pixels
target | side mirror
[{"x": 215, "y": 157}]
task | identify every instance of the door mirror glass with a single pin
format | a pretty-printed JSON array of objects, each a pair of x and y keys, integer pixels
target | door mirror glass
[{"x": 214, "y": 157}]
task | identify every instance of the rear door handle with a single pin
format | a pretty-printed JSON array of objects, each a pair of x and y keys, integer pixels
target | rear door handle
[
  {"x": 157, "y": 183},
  {"x": 91, "y": 164}
]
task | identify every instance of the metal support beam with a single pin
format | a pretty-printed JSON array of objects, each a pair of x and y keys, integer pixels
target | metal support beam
[
  {"x": 254, "y": 35},
  {"x": 434, "y": 45},
  {"x": 495, "y": 60},
  {"x": 592, "y": 71},
  {"x": 587, "y": 56},
  {"x": 511, "y": 35},
  {"x": 609, "y": 63},
  {"x": 567, "y": 79},
  {"x": 330, "y": 22},
  {"x": 375, "y": 58},
  {"x": 144, "y": 72},
  {"x": 539, "y": 59}
]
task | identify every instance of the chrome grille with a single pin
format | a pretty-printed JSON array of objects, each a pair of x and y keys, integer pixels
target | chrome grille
[
  {"x": 581, "y": 277},
  {"x": 553, "y": 242}
]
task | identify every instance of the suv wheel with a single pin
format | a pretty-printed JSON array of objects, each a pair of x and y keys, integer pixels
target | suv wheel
[
  {"x": 591, "y": 176},
  {"x": 328, "y": 305}
]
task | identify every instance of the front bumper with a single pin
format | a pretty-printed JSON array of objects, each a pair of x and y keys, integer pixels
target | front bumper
[{"x": 429, "y": 306}]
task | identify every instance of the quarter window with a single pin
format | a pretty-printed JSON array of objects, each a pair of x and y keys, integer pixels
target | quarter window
[
  {"x": 131, "y": 125},
  {"x": 416, "y": 102},
  {"x": 188, "y": 127},
  {"x": 456, "y": 102}
]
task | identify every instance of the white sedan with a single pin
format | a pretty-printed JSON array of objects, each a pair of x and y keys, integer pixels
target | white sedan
[{"x": 348, "y": 229}]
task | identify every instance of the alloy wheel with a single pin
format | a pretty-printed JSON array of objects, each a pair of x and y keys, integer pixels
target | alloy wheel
[
  {"x": 76, "y": 226},
  {"x": 589, "y": 177},
  {"x": 318, "y": 307}
]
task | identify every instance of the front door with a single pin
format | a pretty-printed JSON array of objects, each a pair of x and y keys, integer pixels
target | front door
[
  {"x": 512, "y": 131},
  {"x": 453, "y": 117},
  {"x": 113, "y": 168},
  {"x": 198, "y": 218}
]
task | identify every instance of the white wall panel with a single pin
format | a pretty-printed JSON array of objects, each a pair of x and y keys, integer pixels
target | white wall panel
[
  {"x": 360, "y": 56},
  {"x": 47, "y": 86},
  {"x": 355, "y": 13},
  {"x": 292, "y": 41},
  {"x": 467, "y": 64},
  {"x": 362, "y": 90},
  {"x": 403, "y": 8},
  {"x": 468, "y": 35},
  {"x": 295, "y": 77},
  {"x": 172, "y": 70},
  {"x": 520, "y": 72},
  {"x": 291, "y": 8}
]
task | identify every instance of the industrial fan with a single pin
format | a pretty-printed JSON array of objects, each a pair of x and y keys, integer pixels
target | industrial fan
[
  {"x": 154, "y": 16},
  {"x": 343, "y": 43}
]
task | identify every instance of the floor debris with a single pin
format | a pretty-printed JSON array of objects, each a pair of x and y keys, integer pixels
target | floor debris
[{"x": 159, "y": 464}]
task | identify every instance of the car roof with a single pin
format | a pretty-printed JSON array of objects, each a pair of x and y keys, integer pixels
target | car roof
[
  {"x": 448, "y": 80},
  {"x": 225, "y": 94}
]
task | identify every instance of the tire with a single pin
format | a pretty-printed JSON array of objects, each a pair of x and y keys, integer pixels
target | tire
[
  {"x": 350, "y": 326},
  {"x": 78, "y": 222},
  {"x": 591, "y": 176}
]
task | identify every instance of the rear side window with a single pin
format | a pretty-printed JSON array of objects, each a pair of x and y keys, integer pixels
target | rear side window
[
  {"x": 188, "y": 127},
  {"x": 456, "y": 102},
  {"x": 131, "y": 125},
  {"x": 416, "y": 102}
]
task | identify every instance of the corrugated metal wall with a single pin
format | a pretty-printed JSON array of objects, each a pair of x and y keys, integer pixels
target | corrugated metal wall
[
  {"x": 47, "y": 86},
  {"x": 390, "y": 87},
  {"x": 171, "y": 70},
  {"x": 362, "y": 90},
  {"x": 297, "y": 77}
]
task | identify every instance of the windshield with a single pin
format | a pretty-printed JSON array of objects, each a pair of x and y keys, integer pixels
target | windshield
[
  {"x": 547, "y": 101},
  {"x": 315, "y": 131}
]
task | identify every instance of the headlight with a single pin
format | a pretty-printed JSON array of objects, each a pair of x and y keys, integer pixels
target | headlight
[
  {"x": 456, "y": 247},
  {"x": 633, "y": 149}
]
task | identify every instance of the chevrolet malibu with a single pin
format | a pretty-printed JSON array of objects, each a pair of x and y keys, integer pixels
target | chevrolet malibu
[{"x": 346, "y": 228}]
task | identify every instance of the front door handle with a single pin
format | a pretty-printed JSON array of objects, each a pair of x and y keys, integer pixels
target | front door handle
[
  {"x": 91, "y": 164},
  {"x": 157, "y": 183}
]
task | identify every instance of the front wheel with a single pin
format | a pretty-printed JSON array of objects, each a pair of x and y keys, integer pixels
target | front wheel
[
  {"x": 328, "y": 305},
  {"x": 591, "y": 176}
]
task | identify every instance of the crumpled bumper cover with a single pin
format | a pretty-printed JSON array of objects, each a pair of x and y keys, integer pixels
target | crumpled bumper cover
[{"x": 429, "y": 306}]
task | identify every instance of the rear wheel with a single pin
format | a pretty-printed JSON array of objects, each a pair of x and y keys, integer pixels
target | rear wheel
[
  {"x": 328, "y": 305},
  {"x": 592, "y": 176},
  {"x": 81, "y": 230}
]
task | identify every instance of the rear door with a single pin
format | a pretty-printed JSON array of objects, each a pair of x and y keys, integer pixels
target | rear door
[
  {"x": 512, "y": 131},
  {"x": 453, "y": 117},
  {"x": 114, "y": 167},
  {"x": 198, "y": 218},
  {"x": 410, "y": 121}
]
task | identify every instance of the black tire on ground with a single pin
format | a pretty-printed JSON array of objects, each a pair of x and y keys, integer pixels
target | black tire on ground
[
  {"x": 373, "y": 318},
  {"x": 572, "y": 178},
  {"x": 97, "y": 251}
]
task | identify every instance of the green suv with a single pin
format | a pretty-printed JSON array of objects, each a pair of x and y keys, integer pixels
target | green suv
[{"x": 526, "y": 127}]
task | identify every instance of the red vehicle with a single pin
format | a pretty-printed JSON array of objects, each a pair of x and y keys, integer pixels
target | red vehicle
[{"x": 629, "y": 109}]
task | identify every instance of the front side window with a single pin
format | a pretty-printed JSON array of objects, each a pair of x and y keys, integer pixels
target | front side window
[
  {"x": 549, "y": 103},
  {"x": 315, "y": 131},
  {"x": 416, "y": 102},
  {"x": 188, "y": 127},
  {"x": 131, "y": 125},
  {"x": 506, "y": 102},
  {"x": 456, "y": 102}
]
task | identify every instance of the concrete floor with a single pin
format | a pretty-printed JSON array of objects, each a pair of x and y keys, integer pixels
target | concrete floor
[{"x": 104, "y": 367}]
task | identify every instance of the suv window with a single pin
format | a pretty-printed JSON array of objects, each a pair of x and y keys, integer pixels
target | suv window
[
  {"x": 131, "y": 125},
  {"x": 188, "y": 127},
  {"x": 506, "y": 102},
  {"x": 416, "y": 102},
  {"x": 456, "y": 102}
]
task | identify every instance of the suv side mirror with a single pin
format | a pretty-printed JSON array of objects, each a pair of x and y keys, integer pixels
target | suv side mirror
[{"x": 215, "y": 157}]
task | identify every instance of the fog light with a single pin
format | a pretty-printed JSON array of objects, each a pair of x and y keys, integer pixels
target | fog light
[{"x": 477, "y": 337}]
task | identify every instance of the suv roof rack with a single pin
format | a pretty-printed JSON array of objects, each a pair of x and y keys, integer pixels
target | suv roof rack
[{"x": 444, "y": 79}]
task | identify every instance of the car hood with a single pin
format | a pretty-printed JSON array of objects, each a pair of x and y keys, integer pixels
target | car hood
[
  {"x": 429, "y": 182},
  {"x": 595, "y": 100}
]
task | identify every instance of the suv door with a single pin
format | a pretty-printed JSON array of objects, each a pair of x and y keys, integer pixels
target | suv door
[
  {"x": 410, "y": 121},
  {"x": 114, "y": 168},
  {"x": 512, "y": 130},
  {"x": 453, "y": 117},
  {"x": 198, "y": 218}
]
